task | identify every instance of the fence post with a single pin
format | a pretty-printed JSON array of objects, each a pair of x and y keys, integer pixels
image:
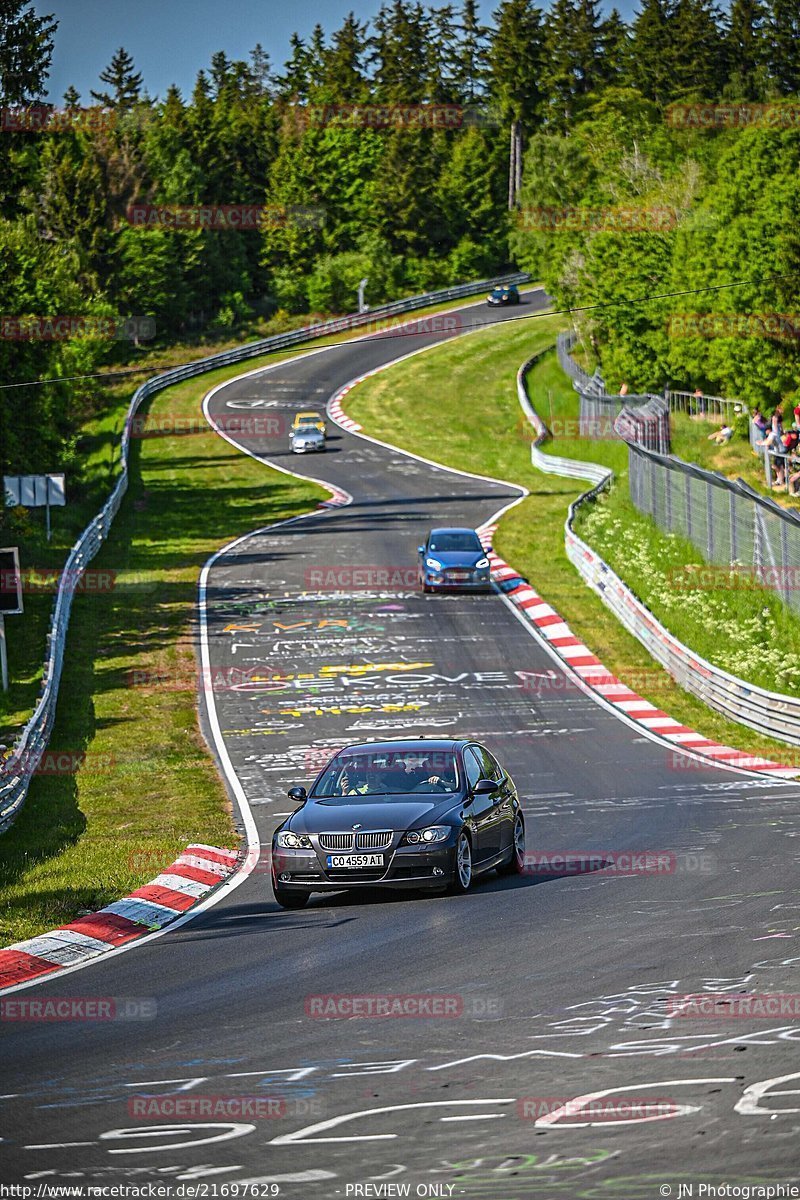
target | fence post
[
  {"x": 668, "y": 499},
  {"x": 688, "y": 489},
  {"x": 710, "y": 526},
  {"x": 732, "y": 518},
  {"x": 785, "y": 556}
]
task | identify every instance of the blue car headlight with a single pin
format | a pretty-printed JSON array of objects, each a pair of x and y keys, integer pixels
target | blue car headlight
[
  {"x": 433, "y": 563},
  {"x": 481, "y": 564}
]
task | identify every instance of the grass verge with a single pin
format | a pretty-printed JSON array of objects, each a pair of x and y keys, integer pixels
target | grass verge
[
  {"x": 421, "y": 405},
  {"x": 147, "y": 785}
]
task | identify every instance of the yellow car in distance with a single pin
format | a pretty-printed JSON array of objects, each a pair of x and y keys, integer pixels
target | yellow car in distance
[{"x": 303, "y": 420}]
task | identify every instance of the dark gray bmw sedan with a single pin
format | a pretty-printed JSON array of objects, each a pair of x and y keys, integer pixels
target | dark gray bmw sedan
[{"x": 412, "y": 813}]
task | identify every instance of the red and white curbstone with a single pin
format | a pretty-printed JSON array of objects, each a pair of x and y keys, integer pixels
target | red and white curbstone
[
  {"x": 190, "y": 877},
  {"x": 590, "y": 669},
  {"x": 335, "y": 410}
]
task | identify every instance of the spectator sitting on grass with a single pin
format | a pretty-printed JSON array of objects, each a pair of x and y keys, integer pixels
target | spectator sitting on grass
[{"x": 721, "y": 436}]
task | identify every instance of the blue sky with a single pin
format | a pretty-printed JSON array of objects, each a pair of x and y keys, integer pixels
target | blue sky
[{"x": 171, "y": 41}]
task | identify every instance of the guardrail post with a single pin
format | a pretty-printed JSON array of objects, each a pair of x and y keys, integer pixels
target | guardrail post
[{"x": 710, "y": 526}]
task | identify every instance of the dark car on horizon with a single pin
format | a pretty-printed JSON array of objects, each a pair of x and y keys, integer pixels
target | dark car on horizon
[
  {"x": 417, "y": 813},
  {"x": 499, "y": 296},
  {"x": 453, "y": 557}
]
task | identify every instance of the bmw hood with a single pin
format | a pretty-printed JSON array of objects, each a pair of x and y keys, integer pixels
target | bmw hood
[{"x": 340, "y": 813}]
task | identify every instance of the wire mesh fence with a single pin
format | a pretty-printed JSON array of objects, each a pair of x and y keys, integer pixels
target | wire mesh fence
[
  {"x": 728, "y": 522},
  {"x": 640, "y": 418}
]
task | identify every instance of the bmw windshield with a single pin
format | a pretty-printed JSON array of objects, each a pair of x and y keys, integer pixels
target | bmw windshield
[{"x": 388, "y": 773}]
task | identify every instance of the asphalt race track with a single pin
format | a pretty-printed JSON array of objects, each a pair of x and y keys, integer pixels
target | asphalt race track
[{"x": 564, "y": 986}]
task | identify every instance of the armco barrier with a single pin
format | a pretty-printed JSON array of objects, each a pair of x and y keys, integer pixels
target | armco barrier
[
  {"x": 770, "y": 713},
  {"x": 16, "y": 772}
]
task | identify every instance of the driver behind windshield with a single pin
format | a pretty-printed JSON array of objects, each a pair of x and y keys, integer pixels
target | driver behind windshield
[{"x": 363, "y": 774}]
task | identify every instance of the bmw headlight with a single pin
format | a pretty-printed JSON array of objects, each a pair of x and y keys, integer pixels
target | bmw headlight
[
  {"x": 433, "y": 563},
  {"x": 292, "y": 841},
  {"x": 434, "y": 833},
  {"x": 481, "y": 564}
]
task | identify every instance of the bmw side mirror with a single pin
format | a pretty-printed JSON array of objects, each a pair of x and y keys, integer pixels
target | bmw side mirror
[
  {"x": 298, "y": 794},
  {"x": 420, "y": 549},
  {"x": 483, "y": 787}
]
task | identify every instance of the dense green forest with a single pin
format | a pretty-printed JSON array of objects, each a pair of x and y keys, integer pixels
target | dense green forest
[{"x": 408, "y": 198}]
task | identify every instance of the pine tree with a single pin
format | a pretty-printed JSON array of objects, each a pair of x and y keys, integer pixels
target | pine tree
[
  {"x": 398, "y": 52},
  {"x": 126, "y": 84},
  {"x": 653, "y": 50},
  {"x": 441, "y": 69},
  {"x": 295, "y": 83},
  {"x": 746, "y": 50},
  {"x": 615, "y": 58},
  {"x": 783, "y": 39},
  {"x": 72, "y": 97},
  {"x": 472, "y": 60},
  {"x": 260, "y": 70},
  {"x": 558, "y": 70},
  {"x": 516, "y": 57},
  {"x": 343, "y": 78},
  {"x": 26, "y": 48},
  {"x": 698, "y": 59},
  {"x": 587, "y": 45}
]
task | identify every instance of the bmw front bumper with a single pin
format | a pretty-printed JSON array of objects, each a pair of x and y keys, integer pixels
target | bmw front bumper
[{"x": 406, "y": 867}]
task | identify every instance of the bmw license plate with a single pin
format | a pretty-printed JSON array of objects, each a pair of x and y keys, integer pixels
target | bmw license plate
[
  {"x": 458, "y": 575},
  {"x": 355, "y": 861}
]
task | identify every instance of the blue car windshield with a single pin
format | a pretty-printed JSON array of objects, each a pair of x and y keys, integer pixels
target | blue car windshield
[
  {"x": 447, "y": 542},
  {"x": 387, "y": 773}
]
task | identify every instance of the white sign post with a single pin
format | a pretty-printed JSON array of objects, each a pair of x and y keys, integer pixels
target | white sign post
[
  {"x": 10, "y": 601},
  {"x": 35, "y": 491}
]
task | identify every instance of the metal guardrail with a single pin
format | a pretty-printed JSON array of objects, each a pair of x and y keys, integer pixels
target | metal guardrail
[
  {"x": 770, "y": 713},
  {"x": 702, "y": 405},
  {"x": 18, "y": 769}
]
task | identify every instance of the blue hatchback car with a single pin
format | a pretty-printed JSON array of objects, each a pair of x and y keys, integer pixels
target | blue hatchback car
[{"x": 453, "y": 558}]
